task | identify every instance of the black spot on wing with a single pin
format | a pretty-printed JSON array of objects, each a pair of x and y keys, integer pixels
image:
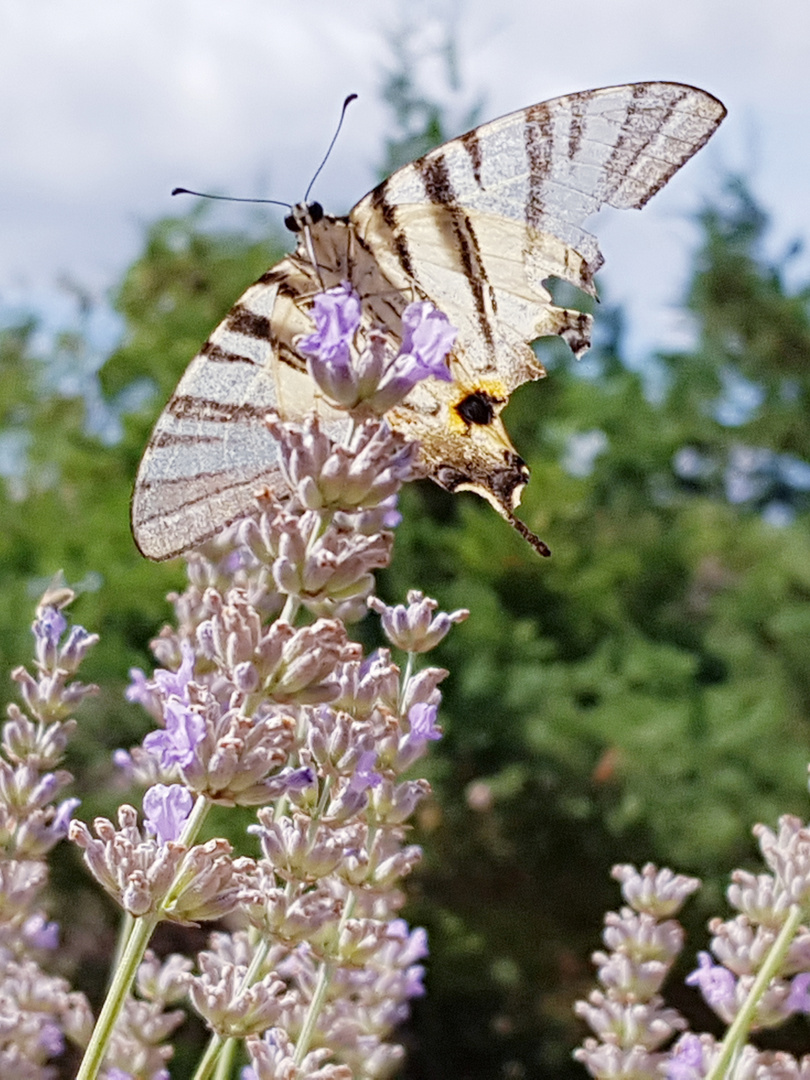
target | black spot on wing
[{"x": 478, "y": 408}]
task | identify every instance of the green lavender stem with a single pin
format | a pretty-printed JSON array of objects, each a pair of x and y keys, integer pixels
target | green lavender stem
[
  {"x": 120, "y": 987},
  {"x": 136, "y": 943},
  {"x": 319, "y": 994},
  {"x": 738, "y": 1032},
  {"x": 209, "y": 1059}
]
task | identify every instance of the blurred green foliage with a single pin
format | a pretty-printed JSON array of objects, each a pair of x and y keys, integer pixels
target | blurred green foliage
[{"x": 643, "y": 695}]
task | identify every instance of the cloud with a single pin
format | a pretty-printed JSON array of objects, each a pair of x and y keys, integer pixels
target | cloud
[{"x": 105, "y": 107}]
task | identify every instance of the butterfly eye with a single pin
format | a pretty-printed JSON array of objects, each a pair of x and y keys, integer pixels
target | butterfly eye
[
  {"x": 303, "y": 214},
  {"x": 476, "y": 408}
]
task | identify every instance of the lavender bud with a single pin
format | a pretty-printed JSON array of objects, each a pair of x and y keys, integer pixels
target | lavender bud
[
  {"x": 246, "y": 677},
  {"x": 75, "y": 649},
  {"x": 231, "y": 1008},
  {"x": 788, "y": 855},
  {"x": 394, "y": 804},
  {"x": 660, "y": 893},
  {"x": 606, "y": 1060},
  {"x": 165, "y": 981},
  {"x": 415, "y": 629},
  {"x": 209, "y": 883},
  {"x": 758, "y": 898},
  {"x": 274, "y": 1058}
]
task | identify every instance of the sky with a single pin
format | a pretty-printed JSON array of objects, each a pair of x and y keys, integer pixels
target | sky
[{"x": 106, "y": 106}]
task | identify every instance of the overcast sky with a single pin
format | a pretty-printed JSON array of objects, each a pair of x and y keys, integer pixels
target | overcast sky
[{"x": 105, "y": 105}]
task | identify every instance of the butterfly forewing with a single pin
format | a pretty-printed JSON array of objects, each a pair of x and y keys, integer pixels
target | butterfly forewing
[
  {"x": 550, "y": 166},
  {"x": 211, "y": 451},
  {"x": 476, "y": 226}
]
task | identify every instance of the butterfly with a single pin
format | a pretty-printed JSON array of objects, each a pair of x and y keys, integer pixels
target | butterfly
[{"x": 477, "y": 227}]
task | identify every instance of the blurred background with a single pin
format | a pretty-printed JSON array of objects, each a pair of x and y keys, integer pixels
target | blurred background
[{"x": 644, "y": 694}]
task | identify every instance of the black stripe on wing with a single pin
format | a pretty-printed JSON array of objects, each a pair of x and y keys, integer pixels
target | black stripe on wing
[
  {"x": 439, "y": 189},
  {"x": 191, "y": 407}
]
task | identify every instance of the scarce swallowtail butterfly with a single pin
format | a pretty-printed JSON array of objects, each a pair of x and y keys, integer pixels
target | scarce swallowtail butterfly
[{"x": 477, "y": 227}]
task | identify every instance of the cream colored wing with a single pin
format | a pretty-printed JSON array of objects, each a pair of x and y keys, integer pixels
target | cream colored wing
[
  {"x": 476, "y": 226},
  {"x": 211, "y": 451},
  {"x": 480, "y": 223}
]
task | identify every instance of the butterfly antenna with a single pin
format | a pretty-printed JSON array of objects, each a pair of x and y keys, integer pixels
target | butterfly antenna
[
  {"x": 346, "y": 104},
  {"x": 227, "y": 198}
]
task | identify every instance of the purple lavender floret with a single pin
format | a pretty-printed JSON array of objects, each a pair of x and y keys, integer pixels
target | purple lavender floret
[
  {"x": 142, "y": 691},
  {"x": 297, "y": 780},
  {"x": 166, "y": 808},
  {"x": 51, "y": 1039},
  {"x": 175, "y": 683},
  {"x": 422, "y": 718},
  {"x": 176, "y": 743},
  {"x": 336, "y": 314},
  {"x": 716, "y": 983},
  {"x": 38, "y": 933},
  {"x": 686, "y": 1062},
  {"x": 50, "y": 626},
  {"x": 374, "y": 378},
  {"x": 798, "y": 1000},
  {"x": 428, "y": 337},
  {"x": 364, "y": 775},
  {"x": 58, "y": 828}
]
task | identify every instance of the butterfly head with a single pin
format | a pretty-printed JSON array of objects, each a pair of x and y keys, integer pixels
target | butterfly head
[{"x": 303, "y": 216}]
